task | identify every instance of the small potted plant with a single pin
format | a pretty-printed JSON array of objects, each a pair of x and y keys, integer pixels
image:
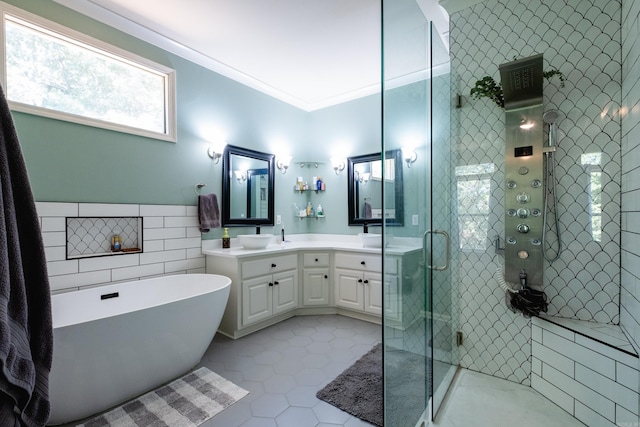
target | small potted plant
[{"x": 487, "y": 87}]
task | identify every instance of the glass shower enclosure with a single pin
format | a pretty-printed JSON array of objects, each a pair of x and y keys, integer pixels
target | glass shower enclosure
[{"x": 419, "y": 322}]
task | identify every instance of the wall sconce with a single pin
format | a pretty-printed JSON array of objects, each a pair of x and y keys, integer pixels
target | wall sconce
[
  {"x": 409, "y": 155},
  {"x": 363, "y": 177},
  {"x": 241, "y": 176},
  {"x": 338, "y": 165},
  {"x": 215, "y": 156},
  {"x": 283, "y": 163}
]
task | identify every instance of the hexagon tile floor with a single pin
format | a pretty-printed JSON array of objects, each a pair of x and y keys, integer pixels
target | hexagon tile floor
[{"x": 283, "y": 367}]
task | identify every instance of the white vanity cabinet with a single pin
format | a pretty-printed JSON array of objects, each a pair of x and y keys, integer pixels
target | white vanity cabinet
[
  {"x": 315, "y": 279},
  {"x": 264, "y": 290},
  {"x": 269, "y": 287},
  {"x": 358, "y": 282}
]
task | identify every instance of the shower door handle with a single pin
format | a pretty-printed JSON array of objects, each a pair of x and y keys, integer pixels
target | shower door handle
[{"x": 447, "y": 249}]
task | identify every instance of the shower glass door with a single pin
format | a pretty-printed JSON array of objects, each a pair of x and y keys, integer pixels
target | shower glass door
[{"x": 419, "y": 330}]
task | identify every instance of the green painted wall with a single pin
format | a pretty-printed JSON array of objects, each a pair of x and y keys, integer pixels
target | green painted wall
[{"x": 75, "y": 163}]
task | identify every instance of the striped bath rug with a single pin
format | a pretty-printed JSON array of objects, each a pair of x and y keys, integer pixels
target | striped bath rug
[{"x": 185, "y": 402}]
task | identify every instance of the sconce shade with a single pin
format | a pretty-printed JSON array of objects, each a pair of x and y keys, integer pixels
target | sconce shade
[
  {"x": 283, "y": 163},
  {"x": 214, "y": 155},
  {"x": 338, "y": 165},
  {"x": 409, "y": 155}
]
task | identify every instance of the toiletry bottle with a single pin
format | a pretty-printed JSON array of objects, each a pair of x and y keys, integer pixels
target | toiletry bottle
[
  {"x": 226, "y": 240},
  {"x": 319, "y": 184},
  {"x": 313, "y": 212},
  {"x": 319, "y": 212},
  {"x": 309, "y": 209}
]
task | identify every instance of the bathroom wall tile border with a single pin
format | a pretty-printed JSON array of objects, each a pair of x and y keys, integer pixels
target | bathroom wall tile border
[
  {"x": 591, "y": 380},
  {"x": 172, "y": 244}
]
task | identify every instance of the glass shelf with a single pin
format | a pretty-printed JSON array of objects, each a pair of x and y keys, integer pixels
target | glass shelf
[{"x": 308, "y": 190}]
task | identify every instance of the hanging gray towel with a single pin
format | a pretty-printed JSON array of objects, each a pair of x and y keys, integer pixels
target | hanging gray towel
[
  {"x": 26, "y": 334},
  {"x": 208, "y": 212},
  {"x": 366, "y": 210}
]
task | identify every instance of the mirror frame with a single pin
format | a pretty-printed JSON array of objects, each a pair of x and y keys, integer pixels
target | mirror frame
[
  {"x": 352, "y": 192},
  {"x": 227, "y": 221}
]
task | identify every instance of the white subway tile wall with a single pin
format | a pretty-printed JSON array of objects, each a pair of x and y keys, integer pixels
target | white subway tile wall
[
  {"x": 171, "y": 244},
  {"x": 592, "y": 381}
]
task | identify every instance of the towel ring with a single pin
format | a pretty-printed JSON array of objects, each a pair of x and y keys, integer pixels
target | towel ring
[{"x": 197, "y": 187}]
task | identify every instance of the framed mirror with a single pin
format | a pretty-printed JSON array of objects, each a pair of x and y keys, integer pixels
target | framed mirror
[
  {"x": 366, "y": 178},
  {"x": 247, "y": 187}
]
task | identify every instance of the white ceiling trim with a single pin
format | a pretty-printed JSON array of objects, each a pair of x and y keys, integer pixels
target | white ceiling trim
[
  {"x": 120, "y": 22},
  {"x": 125, "y": 25}
]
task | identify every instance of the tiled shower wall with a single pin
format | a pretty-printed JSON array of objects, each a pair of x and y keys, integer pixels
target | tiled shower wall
[
  {"x": 582, "y": 39},
  {"x": 171, "y": 244},
  {"x": 630, "y": 297}
]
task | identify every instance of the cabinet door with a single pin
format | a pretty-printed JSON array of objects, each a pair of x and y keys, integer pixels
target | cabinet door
[
  {"x": 315, "y": 286},
  {"x": 285, "y": 291},
  {"x": 373, "y": 293},
  {"x": 349, "y": 289},
  {"x": 257, "y": 299}
]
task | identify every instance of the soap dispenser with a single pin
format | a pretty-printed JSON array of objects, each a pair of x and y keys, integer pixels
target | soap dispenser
[{"x": 226, "y": 240}]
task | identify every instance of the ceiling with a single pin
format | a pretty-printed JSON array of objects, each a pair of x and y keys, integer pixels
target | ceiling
[{"x": 308, "y": 53}]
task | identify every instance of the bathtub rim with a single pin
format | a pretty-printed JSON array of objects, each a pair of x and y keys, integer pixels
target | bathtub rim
[{"x": 221, "y": 283}]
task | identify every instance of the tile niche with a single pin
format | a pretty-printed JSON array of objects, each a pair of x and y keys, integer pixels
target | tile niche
[{"x": 93, "y": 236}]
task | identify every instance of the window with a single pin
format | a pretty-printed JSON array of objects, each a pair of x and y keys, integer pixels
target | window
[
  {"x": 56, "y": 72},
  {"x": 474, "y": 191},
  {"x": 592, "y": 162}
]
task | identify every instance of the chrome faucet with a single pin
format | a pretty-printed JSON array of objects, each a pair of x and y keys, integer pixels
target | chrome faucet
[
  {"x": 257, "y": 229},
  {"x": 365, "y": 228}
]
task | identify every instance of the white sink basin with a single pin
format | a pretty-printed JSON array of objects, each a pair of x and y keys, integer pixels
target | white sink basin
[
  {"x": 255, "y": 241},
  {"x": 373, "y": 240}
]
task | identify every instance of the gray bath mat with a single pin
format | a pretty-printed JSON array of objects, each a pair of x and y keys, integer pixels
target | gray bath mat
[
  {"x": 358, "y": 390},
  {"x": 185, "y": 402}
]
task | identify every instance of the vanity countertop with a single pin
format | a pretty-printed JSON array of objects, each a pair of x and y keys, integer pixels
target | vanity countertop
[{"x": 302, "y": 242}]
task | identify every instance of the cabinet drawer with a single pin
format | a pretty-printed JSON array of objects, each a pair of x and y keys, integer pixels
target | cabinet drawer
[
  {"x": 356, "y": 261},
  {"x": 270, "y": 265},
  {"x": 316, "y": 260}
]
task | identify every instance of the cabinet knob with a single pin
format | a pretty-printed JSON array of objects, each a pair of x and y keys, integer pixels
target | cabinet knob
[
  {"x": 316, "y": 259},
  {"x": 366, "y": 281},
  {"x": 276, "y": 283},
  {"x": 362, "y": 262},
  {"x": 273, "y": 266},
  {"x": 326, "y": 277},
  {"x": 359, "y": 280},
  {"x": 270, "y": 284}
]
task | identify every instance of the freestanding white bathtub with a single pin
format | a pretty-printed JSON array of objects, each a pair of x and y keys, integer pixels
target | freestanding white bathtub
[{"x": 115, "y": 342}]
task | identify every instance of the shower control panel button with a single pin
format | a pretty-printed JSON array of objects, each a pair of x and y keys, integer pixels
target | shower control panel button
[
  {"x": 536, "y": 242},
  {"x": 511, "y": 184},
  {"x": 523, "y": 228},
  {"x": 523, "y": 212},
  {"x": 523, "y": 254},
  {"x": 511, "y": 240},
  {"x": 523, "y": 197},
  {"x": 536, "y": 212},
  {"x": 511, "y": 212},
  {"x": 536, "y": 183},
  {"x": 523, "y": 170}
]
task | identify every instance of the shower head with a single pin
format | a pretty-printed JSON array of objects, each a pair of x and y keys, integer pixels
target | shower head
[{"x": 550, "y": 116}]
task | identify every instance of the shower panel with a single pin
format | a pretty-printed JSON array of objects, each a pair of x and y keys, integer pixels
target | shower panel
[{"x": 524, "y": 170}]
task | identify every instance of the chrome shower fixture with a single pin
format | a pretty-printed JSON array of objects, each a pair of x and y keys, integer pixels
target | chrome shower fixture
[{"x": 524, "y": 192}]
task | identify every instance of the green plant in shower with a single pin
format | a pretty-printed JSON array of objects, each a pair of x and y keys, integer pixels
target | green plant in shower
[{"x": 487, "y": 87}]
